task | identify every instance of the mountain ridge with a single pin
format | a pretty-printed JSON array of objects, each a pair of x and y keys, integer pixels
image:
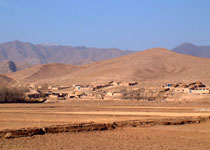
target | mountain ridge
[
  {"x": 194, "y": 50},
  {"x": 19, "y": 52}
]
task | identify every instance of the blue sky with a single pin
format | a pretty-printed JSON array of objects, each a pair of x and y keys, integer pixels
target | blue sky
[{"x": 125, "y": 24}]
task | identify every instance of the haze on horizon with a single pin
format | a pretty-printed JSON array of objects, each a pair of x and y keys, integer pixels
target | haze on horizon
[{"x": 124, "y": 24}]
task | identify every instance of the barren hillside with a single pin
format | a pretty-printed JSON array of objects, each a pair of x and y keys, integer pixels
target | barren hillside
[
  {"x": 42, "y": 72},
  {"x": 153, "y": 65},
  {"x": 5, "y": 80}
]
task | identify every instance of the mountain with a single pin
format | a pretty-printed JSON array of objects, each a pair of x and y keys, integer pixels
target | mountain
[
  {"x": 7, "y": 66},
  {"x": 10, "y": 66},
  {"x": 78, "y": 55},
  {"x": 157, "y": 65},
  {"x": 27, "y": 53},
  {"x": 194, "y": 50},
  {"x": 4, "y": 80},
  {"x": 17, "y": 51}
]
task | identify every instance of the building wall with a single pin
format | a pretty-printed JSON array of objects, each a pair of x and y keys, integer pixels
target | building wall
[{"x": 200, "y": 91}]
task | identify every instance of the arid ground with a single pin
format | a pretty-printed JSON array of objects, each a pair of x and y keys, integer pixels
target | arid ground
[{"x": 187, "y": 136}]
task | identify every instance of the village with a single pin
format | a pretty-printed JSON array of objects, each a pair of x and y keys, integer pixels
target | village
[
  {"x": 113, "y": 90},
  {"x": 102, "y": 91},
  {"x": 192, "y": 88}
]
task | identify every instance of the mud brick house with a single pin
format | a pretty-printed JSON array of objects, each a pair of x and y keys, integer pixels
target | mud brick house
[{"x": 200, "y": 91}]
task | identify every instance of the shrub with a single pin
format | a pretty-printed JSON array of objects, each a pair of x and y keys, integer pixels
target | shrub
[{"x": 143, "y": 94}]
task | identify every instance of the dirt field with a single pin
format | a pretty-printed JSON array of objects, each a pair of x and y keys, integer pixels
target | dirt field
[
  {"x": 189, "y": 137},
  {"x": 193, "y": 136},
  {"x": 16, "y": 116}
]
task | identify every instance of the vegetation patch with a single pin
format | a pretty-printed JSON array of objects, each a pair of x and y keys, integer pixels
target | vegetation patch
[{"x": 12, "y": 95}]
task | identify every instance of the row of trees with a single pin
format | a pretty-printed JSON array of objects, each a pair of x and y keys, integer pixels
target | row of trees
[
  {"x": 144, "y": 94},
  {"x": 12, "y": 95}
]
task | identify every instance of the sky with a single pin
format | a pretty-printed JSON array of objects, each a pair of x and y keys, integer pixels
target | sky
[{"x": 125, "y": 24}]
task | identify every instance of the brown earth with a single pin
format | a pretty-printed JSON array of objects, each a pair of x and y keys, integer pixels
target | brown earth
[
  {"x": 16, "y": 116},
  {"x": 192, "y": 136},
  {"x": 172, "y": 137}
]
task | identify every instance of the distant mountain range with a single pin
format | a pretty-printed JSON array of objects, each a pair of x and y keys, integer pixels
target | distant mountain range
[
  {"x": 194, "y": 50},
  {"x": 18, "y": 55}
]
